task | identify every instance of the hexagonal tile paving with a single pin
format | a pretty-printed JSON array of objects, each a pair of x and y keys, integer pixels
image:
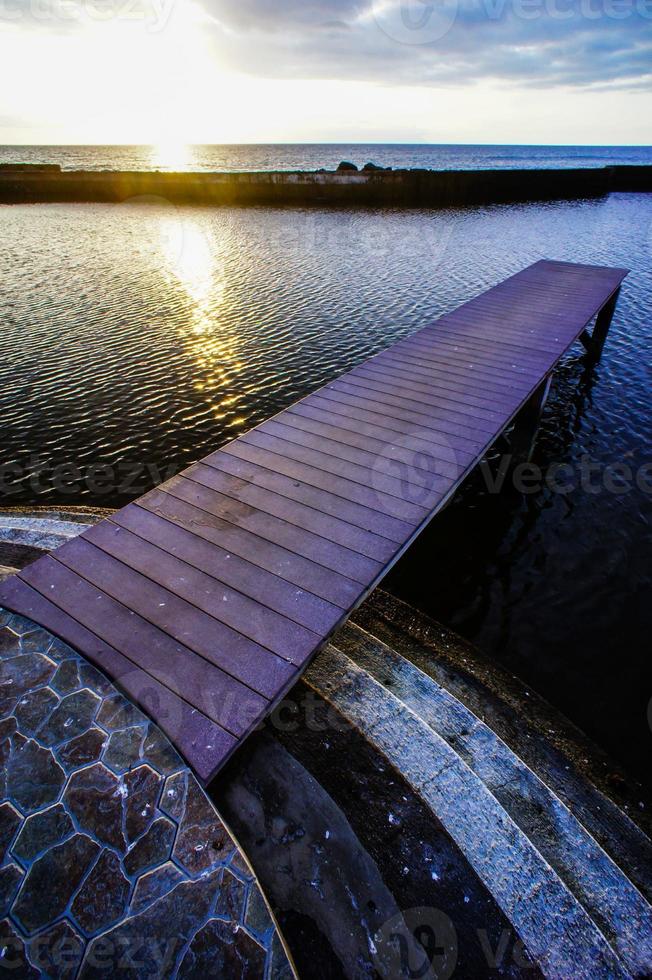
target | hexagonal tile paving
[{"x": 110, "y": 852}]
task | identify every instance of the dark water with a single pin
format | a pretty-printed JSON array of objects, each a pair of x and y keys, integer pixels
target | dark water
[
  {"x": 140, "y": 338},
  {"x": 310, "y": 156}
]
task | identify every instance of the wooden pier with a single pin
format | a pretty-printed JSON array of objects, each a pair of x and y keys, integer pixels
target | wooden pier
[{"x": 207, "y": 598}]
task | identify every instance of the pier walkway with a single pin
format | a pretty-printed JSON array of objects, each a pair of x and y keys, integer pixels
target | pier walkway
[{"x": 207, "y": 598}]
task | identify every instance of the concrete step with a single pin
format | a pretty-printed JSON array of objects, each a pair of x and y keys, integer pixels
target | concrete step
[
  {"x": 616, "y": 906},
  {"x": 421, "y": 730},
  {"x": 606, "y": 802}
]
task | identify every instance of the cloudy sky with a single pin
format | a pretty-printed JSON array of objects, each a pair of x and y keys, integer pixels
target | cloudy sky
[{"x": 165, "y": 71}]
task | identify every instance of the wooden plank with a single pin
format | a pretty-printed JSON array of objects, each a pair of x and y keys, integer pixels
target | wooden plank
[
  {"x": 459, "y": 351},
  {"x": 232, "y": 608},
  {"x": 290, "y": 536},
  {"x": 230, "y": 650},
  {"x": 385, "y": 430},
  {"x": 364, "y": 490},
  {"x": 331, "y": 586},
  {"x": 381, "y": 406},
  {"x": 192, "y": 733},
  {"x": 493, "y": 344},
  {"x": 228, "y": 703},
  {"x": 436, "y": 408},
  {"x": 423, "y": 385},
  {"x": 227, "y": 476},
  {"x": 228, "y": 567},
  {"x": 366, "y": 440},
  {"x": 468, "y": 373},
  {"x": 336, "y": 457},
  {"x": 207, "y": 597},
  {"x": 487, "y": 416}
]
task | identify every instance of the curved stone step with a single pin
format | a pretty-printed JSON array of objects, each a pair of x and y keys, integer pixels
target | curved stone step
[
  {"x": 575, "y": 769},
  {"x": 556, "y": 929},
  {"x": 616, "y": 906},
  {"x": 46, "y": 525},
  {"x": 25, "y": 537}
]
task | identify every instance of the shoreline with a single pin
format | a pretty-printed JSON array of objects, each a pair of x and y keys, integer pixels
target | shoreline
[{"x": 32, "y": 184}]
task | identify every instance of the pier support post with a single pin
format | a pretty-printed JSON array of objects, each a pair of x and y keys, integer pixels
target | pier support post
[
  {"x": 595, "y": 342},
  {"x": 526, "y": 425}
]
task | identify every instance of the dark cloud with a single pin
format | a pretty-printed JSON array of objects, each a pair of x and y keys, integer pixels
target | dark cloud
[{"x": 533, "y": 42}]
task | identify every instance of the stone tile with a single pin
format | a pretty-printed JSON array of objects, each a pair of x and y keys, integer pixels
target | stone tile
[
  {"x": 10, "y": 878},
  {"x": 153, "y": 885},
  {"x": 7, "y": 727},
  {"x": 173, "y": 800},
  {"x": 33, "y": 638},
  {"x": 280, "y": 968},
  {"x": 14, "y": 959},
  {"x": 102, "y": 899},
  {"x": 7, "y": 706},
  {"x": 9, "y": 823},
  {"x": 239, "y": 864},
  {"x": 93, "y": 678},
  {"x": 59, "y": 651},
  {"x": 34, "y": 708},
  {"x": 52, "y": 881},
  {"x": 202, "y": 841},
  {"x": 20, "y": 625},
  {"x": 57, "y": 952},
  {"x": 156, "y": 935},
  {"x": 22, "y": 674},
  {"x": 230, "y": 901},
  {"x": 258, "y": 919},
  {"x": 116, "y": 712},
  {"x": 124, "y": 748},
  {"x": 9, "y": 644},
  {"x": 34, "y": 778},
  {"x": 84, "y": 749},
  {"x": 221, "y": 949},
  {"x": 94, "y": 797},
  {"x": 160, "y": 753},
  {"x": 152, "y": 849},
  {"x": 41, "y": 831},
  {"x": 5, "y": 752},
  {"x": 66, "y": 680},
  {"x": 9, "y": 626},
  {"x": 71, "y": 717},
  {"x": 143, "y": 787}
]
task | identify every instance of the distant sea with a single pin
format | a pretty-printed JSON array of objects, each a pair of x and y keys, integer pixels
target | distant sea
[{"x": 307, "y": 156}]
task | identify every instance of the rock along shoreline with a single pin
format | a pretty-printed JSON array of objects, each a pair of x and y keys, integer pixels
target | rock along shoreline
[{"x": 24, "y": 183}]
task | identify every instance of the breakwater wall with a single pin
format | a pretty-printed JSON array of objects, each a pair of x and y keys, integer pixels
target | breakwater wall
[{"x": 386, "y": 188}]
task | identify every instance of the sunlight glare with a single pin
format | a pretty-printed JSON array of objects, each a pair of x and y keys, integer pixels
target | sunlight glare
[{"x": 173, "y": 155}]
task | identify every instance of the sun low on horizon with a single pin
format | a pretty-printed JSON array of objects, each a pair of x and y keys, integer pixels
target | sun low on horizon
[{"x": 172, "y": 73}]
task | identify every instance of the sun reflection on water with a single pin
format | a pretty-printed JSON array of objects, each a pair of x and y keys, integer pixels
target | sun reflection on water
[{"x": 194, "y": 259}]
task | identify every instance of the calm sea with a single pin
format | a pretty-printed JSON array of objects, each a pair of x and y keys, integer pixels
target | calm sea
[
  {"x": 141, "y": 337},
  {"x": 303, "y": 156}
]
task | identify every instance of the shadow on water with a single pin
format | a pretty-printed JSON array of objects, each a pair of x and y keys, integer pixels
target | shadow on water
[{"x": 483, "y": 566}]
